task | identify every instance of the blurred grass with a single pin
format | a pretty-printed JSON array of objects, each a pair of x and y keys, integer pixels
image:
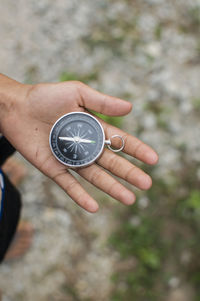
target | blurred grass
[
  {"x": 86, "y": 78},
  {"x": 143, "y": 243},
  {"x": 168, "y": 228}
]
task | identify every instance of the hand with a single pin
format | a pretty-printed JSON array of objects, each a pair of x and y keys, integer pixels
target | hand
[{"x": 27, "y": 126}]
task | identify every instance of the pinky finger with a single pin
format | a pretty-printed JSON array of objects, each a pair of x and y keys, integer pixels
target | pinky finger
[{"x": 73, "y": 188}]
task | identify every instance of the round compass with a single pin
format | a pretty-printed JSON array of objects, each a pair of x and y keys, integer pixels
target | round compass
[{"x": 77, "y": 139}]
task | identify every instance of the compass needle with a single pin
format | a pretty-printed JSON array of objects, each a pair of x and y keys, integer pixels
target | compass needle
[
  {"x": 87, "y": 141},
  {"x": 67, "y": 138}
]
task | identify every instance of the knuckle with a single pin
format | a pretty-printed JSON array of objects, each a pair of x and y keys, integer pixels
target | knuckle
[
  {"x": 95, "y": 176},
  {"x": 130, "y": 174},
  {"x": 75, "y": 85},
  {"x": 113, "y": 188},
  {"x": 103, "y": 104},
  {"x": 113, "y": 163},
  {"x": 137, "y": 148},
  {"x": 55, "y": 177},
  {"x": 70, "y": 186},
  {"x": 45, "y": 167},
  {"x": 34, "y": 90},
  {"x": 78, "y": 83}
]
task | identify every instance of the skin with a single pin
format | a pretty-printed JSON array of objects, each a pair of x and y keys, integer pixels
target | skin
[{"x": 27, "y": 113}]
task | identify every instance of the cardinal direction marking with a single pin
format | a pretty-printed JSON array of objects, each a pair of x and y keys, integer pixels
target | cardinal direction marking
[
  {"x": 75, "y": 156},
  {"x": 87, "y": 141}
]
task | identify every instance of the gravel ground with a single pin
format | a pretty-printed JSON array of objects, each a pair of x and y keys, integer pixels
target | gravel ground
[{"x": 145, "y": 51}]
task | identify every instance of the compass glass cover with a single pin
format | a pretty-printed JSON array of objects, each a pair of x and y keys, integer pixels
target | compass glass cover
[{"x": 77, "y": 139}]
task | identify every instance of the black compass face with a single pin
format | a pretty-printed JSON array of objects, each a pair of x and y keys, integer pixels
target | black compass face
[{"x": 77, "y": 139}]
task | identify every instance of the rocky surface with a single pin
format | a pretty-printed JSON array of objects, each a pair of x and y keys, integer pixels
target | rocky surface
[{"x": 145, "y": 51}]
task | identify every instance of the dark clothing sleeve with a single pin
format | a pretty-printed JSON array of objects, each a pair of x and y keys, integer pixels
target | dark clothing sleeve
[
  {"x": 6, "y": 150},
  {"x": 9, "y": 216},
  {"x": 11, "y": 203}
]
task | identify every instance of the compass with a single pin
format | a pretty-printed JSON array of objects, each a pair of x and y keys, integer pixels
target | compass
[{"x": 77, "y": 139}]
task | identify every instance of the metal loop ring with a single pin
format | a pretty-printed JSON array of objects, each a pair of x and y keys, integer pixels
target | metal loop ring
[{"x": 122, "y": 141}]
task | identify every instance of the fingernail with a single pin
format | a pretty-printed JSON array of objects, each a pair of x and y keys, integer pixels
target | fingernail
[
  {"x": 93, "y": 207},
  {"x": 128, "y": 198},
  {"x": 145, "y": 182},
  {"x": 151, "y": 157}
]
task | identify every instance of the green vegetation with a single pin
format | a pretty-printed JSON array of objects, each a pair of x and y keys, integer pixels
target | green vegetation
[
  {"x": 191, "y": 22},
  {"x": 192, "y": 203},
  {"x": 115, "y": 121},
  {"x": 143, "y": 244},
  {"x": 158, "y": 32},
  {"x": 196, "y": 101},
  {"x": 86, "y": 78},
  {"x": 167, "y": 229},
  {"x": 194, "y": 15},
  {"x": 113, "y": 34}
]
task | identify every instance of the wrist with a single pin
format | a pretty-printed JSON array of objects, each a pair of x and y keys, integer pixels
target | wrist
[{"x": 12, "y": 94}]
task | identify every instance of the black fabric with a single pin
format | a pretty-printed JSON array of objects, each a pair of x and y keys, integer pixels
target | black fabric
[
  {"x": 6, "y": 150},
  {"x": 11, "y": 203},
  {"x": 10, "y": 216}
]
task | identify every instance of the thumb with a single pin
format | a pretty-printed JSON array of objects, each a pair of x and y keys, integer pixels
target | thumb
[{"x": 102, "y": 103}]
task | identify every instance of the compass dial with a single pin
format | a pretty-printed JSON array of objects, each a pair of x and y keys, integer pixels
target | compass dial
[{"x": 77, "y": 139}]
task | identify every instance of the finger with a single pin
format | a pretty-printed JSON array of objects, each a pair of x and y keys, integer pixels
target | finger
[
  {"x": 98, "y": 177},
  {"x": 125, "y": 170},
  {"x": 102, "y": 103},
  {"x": 73, "y": 188},
  {"x": 133, "y": 146},
  {"x": 58, "y": 173}
]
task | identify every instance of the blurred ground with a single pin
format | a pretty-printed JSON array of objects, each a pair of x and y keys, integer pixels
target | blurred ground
[{"x": 147, "y": 52}]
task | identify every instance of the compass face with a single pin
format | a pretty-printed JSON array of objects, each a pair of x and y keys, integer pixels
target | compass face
[{"x": 77, "y": 139}]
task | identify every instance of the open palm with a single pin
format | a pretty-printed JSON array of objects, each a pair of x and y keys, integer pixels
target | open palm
[{"x": 28, "y": 128}]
